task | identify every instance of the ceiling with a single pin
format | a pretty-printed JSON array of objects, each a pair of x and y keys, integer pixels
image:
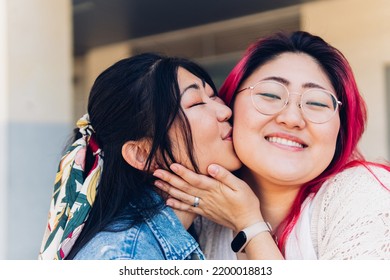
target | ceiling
[{"x": 101, "y": 22}]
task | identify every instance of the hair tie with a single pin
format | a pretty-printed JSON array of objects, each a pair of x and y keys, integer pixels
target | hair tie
[
  {"x": 73, "y": 196},
  {"x": 85, "y": 126}
]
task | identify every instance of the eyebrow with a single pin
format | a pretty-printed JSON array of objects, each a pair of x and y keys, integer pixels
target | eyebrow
[
  {"x": 286, "y": 82},
  {"x": 194, "y": 86}
]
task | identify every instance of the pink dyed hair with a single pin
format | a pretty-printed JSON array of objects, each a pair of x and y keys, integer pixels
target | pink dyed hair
[{"x": 353, "y": 114}]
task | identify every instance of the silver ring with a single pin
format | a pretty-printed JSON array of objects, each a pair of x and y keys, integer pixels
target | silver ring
[{"x": 196, "y": 201}]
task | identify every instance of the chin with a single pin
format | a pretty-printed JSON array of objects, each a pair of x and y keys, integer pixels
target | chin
[
  {"x": 237, "y": 166},
  {"x": 233, "y": 165}
]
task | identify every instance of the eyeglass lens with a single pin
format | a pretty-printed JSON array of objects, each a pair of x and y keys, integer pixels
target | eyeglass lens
[{"x": 318, "y": 105}]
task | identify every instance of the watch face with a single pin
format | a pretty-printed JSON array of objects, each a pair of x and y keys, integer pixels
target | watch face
[{"x": 238, "y": 241}]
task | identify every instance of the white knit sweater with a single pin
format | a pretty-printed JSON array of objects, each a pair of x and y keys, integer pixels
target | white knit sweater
[{"x": 349, "y": 218}]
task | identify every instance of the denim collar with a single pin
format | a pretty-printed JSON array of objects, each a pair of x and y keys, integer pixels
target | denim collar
[{"x": 176, "y": 242}]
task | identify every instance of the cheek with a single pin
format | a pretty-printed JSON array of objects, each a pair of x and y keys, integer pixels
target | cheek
[
  {"x": 328, "y": 140},
  {"x": 248, "y": 124},
  {"x": 244, "y": 113},
  {"x": 204, "y": 133},
  {"x": 247, "y": 137},
  {"x": 333, "y": 132},
  {"x": 203, "y": 129}
]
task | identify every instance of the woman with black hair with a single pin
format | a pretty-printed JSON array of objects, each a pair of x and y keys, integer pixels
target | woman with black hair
[{"x": 144, "y": 112}]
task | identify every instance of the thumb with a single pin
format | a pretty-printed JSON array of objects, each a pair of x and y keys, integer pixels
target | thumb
[{"x": 224, "y": 176}]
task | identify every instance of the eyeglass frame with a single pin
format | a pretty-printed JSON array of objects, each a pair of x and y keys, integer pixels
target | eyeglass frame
[{"x": 338, "y": 102}]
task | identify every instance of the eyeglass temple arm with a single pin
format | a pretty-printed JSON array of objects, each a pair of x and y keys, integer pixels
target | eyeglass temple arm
[{"x": 251, "y": 87}]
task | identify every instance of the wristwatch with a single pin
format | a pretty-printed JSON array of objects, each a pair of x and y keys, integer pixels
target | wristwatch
[{"x": 243, "y": 237}]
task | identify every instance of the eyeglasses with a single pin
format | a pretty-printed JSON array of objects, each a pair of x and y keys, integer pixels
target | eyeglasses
[{"x": 270, "y": 98}]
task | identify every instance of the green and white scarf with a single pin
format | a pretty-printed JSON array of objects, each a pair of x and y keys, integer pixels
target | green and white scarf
[{"x": 73, "y": 196}]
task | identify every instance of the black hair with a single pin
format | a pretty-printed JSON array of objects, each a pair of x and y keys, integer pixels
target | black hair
[{"x": 136, "y": 98}]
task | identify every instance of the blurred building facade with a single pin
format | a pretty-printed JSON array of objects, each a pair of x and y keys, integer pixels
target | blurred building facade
[{"x": 44, "y": 84}]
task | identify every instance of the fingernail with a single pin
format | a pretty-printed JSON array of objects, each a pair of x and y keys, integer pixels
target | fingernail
[
  {"x": 158, "y": 184},
  {"x": 158, "y": 174},
  {"x": 169, "y": 203},
  {"x": 213, "y": 170},
  {"x": 174, "y": 168}
]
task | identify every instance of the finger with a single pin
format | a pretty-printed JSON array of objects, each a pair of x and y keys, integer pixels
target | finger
[
  {"x": 225, "y": 176},
  {"x": 194, "y": 179},
  {"x": 175, "y": 181},
  {"x": 175, "y": 193},
  {"x": 179, "y": 205}
]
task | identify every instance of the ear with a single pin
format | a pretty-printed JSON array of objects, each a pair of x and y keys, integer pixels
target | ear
[{"x": 135, "y": 153}]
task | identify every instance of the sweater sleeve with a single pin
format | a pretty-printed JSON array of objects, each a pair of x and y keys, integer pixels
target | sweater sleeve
[{"x": 353, "y": 215}]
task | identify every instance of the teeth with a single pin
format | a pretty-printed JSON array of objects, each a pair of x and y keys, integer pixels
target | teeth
[{"x": 284, "y": 141}]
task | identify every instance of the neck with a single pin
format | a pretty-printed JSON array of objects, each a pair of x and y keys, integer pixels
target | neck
[
  {"x": 275, "y": 199},
  {"x": 185, "y": 218}
]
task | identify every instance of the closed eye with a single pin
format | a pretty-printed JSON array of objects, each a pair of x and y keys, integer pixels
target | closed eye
[
  {"x": 197, "y": 104},
  {"x": 317, "y": 104},
  {"x": 266, "y": 95}
]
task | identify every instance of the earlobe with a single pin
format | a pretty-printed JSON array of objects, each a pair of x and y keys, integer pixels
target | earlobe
[{"x": 135, "y": 153}]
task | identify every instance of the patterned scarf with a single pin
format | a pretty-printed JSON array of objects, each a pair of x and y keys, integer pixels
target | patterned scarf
[{"x": 73, "y": 196}]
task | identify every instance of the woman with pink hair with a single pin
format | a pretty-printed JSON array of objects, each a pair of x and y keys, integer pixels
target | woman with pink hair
[{"x": 305, "y": 192}]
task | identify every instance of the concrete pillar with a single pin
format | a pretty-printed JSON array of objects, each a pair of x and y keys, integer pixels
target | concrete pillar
[
  {"x": 3, "y": 127},
  {"x": 35, "y": 116}
]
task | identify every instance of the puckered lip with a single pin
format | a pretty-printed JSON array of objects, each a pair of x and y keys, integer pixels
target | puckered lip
[
  {"x": 287, "y": 137},
  {"x": 228, "y": 135}
]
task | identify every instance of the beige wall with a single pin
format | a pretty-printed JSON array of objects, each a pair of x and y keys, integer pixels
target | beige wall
[
  {"x": 89, "y": 66},
  {"x": 361, "y": 30}
]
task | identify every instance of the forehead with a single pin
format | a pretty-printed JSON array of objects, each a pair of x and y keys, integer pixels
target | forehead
[
  {"x": 297, "y": 68},
  {"x": 185, "y": 77}
]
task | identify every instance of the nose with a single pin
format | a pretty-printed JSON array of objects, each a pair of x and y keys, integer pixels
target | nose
[
  {"x": 224, "y": 113},
  {"x": 291, "y": 115}
]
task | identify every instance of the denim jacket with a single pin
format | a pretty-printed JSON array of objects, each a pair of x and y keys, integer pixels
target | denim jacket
[{"x": 159, "y": 237}]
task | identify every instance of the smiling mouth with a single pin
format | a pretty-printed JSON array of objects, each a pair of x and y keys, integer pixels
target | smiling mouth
[{"x": 285, "y": 142}]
